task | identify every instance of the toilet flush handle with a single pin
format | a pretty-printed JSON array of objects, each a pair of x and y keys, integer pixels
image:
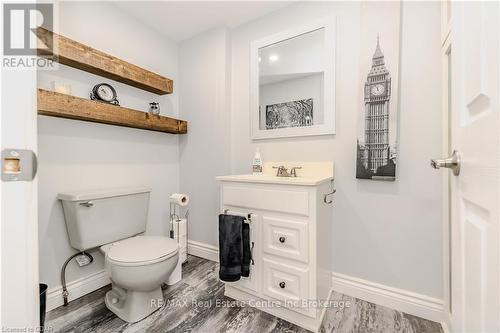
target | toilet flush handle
[{"x": 87, "y": 204}]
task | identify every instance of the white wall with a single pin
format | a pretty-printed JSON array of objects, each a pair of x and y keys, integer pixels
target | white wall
[
  {"x": 204, "y": 151},
  {"x": 385, "y": 232},
  {"x": 76, "y": 155}
]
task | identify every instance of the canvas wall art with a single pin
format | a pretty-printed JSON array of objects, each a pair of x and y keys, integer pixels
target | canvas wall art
[
  {"x": 377, "y": 139},
  {"x": 290, "y": 114}
]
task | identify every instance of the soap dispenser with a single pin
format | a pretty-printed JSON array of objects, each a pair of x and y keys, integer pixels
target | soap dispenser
[{"x": 257, "y": 163}]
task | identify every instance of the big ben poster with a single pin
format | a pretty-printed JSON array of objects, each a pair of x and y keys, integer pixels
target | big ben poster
[{"x": 376, "y": 156}]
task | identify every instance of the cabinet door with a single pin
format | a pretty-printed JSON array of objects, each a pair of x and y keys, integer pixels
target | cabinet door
[
  {"x": 251, "y": 283},
  {"x": 286, "y": 238}
]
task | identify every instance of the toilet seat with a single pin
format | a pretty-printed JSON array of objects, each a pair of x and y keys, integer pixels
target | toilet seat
[{"x": 141, "y": 250}]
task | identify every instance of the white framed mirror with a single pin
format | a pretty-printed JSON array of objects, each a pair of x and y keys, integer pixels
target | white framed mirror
[{"x": 292, "y": 82}]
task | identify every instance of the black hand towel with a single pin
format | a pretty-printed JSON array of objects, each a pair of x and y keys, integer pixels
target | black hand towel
[
  {"x": 234, "y": 248},
  {"x": 247, "y": 255}
]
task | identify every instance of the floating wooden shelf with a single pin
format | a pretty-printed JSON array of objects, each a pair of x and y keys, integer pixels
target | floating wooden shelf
[
  {"x": 65, "y": 106},
  {"x": 85, "y": 58}
]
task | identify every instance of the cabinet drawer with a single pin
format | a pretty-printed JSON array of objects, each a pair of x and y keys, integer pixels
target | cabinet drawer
[
  {"x": 290, "y": 201},
  {"x": 286, "y": 238},
  {"x": 285, "y": 282}
]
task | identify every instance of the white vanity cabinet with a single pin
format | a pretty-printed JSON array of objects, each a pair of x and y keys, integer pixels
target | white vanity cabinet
[{"x": 291, "y": 232}]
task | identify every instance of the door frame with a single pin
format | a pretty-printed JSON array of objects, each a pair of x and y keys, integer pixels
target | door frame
[{"x": 446, "y": 48}]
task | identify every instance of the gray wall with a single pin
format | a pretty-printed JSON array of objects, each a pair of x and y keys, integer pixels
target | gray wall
[
  {"x": 76, "y": 155},
  {"x": 384, "y": 232},
  {"x": 388, "y": 233},
  {"x": 204, "y": 151}
]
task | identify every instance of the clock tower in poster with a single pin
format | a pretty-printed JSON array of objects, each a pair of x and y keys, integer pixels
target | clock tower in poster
[{"x": 375, "y": 153}]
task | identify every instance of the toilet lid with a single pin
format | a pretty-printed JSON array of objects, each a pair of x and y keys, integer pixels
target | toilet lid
[{"x": 142, "y": 248}]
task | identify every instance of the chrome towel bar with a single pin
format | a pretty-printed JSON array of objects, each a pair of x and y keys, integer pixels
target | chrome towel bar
[{"x": 248, "y": 217}]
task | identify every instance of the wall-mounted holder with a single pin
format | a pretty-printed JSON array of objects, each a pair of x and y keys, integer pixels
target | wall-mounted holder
[
  {"x": 248, "y": 217},
  {"x": 326, "y": 195},
  {"x": 18, "y": 165}
]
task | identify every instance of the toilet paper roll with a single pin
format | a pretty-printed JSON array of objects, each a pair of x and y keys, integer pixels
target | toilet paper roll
[
  {"x": 180, "y": 227},
  {"x": 180, "y": 199}
]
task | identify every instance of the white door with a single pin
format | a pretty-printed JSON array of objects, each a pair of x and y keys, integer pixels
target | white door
[
  {"x": 475, "y": 191},
  {"x": 18, "y": 226}
]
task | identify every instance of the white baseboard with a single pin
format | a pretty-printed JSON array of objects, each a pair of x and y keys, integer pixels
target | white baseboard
[
  {"x": 77, "y": 288},
  {"x": 445, "y": 327},
  {"x": 203, "y": 250},
  {"x": 402, "y": 300}
]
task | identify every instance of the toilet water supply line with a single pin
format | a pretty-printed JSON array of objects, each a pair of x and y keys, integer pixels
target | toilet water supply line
[{"x": 65, "y": 292}]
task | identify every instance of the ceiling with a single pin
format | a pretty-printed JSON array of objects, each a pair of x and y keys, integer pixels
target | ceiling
[{"x": 182, "y": 20}]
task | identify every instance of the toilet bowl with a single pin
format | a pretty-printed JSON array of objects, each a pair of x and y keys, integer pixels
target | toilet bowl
[{"x": 137, "y": 267}]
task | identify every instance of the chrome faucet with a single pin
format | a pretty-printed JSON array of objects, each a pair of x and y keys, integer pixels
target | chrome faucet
[
  {"x": 283, "y": 172},
  {"x": 293, "y": 172}
]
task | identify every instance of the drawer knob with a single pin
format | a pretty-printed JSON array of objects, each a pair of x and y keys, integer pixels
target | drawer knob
[
  {"x": 282, "y": 239},
  {"x": 282, "y": 285}
]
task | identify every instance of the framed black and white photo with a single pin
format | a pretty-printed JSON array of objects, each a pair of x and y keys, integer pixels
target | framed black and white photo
[{"x": 378, "y": 116}]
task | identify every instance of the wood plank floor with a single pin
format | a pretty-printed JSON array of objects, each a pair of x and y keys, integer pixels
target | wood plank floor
[{"x": 191, "y": 307}]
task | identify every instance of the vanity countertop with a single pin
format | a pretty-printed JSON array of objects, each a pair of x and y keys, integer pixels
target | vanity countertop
[
  {"x": 310, "y": 174},
  {"x": 268, "y": 179}
]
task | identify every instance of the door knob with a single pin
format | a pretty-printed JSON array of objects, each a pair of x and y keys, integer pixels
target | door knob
[{"x": 452, "y": 162}]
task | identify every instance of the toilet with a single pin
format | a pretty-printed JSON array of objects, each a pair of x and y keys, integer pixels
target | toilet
[{"x": 114, "y": 221}]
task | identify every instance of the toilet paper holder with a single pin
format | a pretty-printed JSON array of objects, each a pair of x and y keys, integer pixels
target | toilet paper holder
[{"x": 174, "y": 214}]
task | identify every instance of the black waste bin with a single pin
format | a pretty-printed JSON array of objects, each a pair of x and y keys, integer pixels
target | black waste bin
[{"x": 43, "y": 304}]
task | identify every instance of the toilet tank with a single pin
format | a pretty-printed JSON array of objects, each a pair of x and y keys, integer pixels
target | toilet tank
[{"x": 95, "y": 218}]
